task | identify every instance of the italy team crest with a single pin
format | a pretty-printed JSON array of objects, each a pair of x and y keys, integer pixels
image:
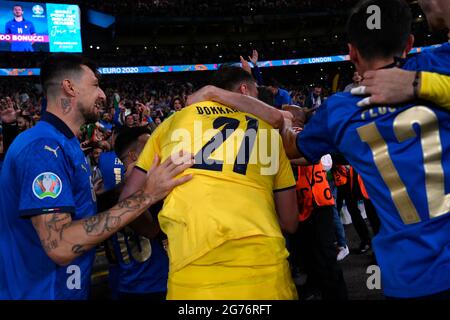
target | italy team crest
[{"x": 47, "y": 184}]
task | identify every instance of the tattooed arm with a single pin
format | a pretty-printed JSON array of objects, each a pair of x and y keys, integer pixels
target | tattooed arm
[{"x": 64, "y": 240}]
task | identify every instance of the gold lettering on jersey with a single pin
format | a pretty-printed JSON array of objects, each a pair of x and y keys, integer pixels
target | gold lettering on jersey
[
  {"x": 438, "y": 201},
  {"x": 382, "y": 110},
  {"x": 373, "y": 113},
  {"x": 370, "y": 134},
  {"x": 418, "y": 120},
  {"x": 118, "y": 175},
  {"x": 133, "y": 246}
]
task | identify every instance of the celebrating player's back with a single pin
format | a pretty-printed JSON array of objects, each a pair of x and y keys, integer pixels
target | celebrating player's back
[
  {"x": 225, "y": 240},
  {"x": 402, "y": 153}
]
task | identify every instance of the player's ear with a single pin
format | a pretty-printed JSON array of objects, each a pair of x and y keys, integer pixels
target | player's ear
[
  {"x": 409, "y": 45},
  {"x": 243, "y": 89},
  {"x": 132, "y": 155},
  {"x": 68, "y": 88},
  {"x": 354, "y": 55},
  {"x": 352, "y": 52}
]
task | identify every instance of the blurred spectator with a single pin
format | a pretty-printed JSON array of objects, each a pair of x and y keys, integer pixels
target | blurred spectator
[
  {"x": 23, "y": 122},
  {"x": 315, "y": 98},
  {"x": 94, "y": 158},
  {"x": 356, "y": 81},
  {"x": 177, "y": 103},
  {"x": 281, "y": 96},
  {"x": 130, "y": 120}
]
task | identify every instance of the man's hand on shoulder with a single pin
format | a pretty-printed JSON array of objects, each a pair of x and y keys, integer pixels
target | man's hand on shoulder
[{"x": 386, "y": 86}]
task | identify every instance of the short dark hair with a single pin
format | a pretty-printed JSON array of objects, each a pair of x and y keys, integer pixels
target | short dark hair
[
  {"x": 60, "y": 65},
  {"x": 266, "y": 95},
  {"x": 172, "y": 102},
  {"x": 127, "y": 138},
  {"x": 271, "y": 82},
  {"x": 18, "y": 5},
  {"x": 227, "y": 77},
  {"x": 387, "y": 41}
]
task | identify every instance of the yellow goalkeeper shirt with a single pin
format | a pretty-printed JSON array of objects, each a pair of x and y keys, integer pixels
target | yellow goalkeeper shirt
[
  {"x": 240, "y": 162},
  {"x": 436, "y": 88}
]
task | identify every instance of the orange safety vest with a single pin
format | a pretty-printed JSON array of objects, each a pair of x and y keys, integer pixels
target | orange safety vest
[
  {"x": 340, "y": 175},
  {"x": 312, "y": 187},
  {"x": 362, "y": 187}
]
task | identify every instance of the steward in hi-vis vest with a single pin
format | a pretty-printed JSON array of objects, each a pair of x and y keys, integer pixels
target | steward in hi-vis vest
[{"x": 313, "y": 190}]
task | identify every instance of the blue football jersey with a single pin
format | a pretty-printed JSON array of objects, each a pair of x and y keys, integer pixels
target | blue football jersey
[
  {"x": 23, "y": 27},
  {"x": 111, "y": 168},
  {"x": 44, "y": 172},
  {"x": 403, "y": 156},
  {"x": 140, "y": 265}
]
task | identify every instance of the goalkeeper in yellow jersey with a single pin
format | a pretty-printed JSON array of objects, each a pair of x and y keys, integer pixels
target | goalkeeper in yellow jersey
[{"x": 225, "y": 226}]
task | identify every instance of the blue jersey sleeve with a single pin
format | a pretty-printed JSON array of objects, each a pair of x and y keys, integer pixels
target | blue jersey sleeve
[
  {"x": 434, "y": 60},
  {"x": 315, "y": 140},
  {"x": 43, "y": 176},
  {"x": 8, "y": 28},
  {"x": 112, "y": 170},
  {"x": 288, "y": 98},
  {"x": 32, "y": 29}
]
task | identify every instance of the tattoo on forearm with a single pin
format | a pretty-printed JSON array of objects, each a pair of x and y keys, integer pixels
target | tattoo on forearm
[
  {"x": 49, "y": 245},
  {"x": 55, "y": 223},
  {"x": 66, "y": 105},
  {"x": 78, "y": 249},
  {"x": 92, "y": 223},
  {"x": 107, "y": 222},
  {"x": 53, "y": 227}
]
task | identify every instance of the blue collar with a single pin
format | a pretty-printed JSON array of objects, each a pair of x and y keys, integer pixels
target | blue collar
[{"x": 58, "y": 124}]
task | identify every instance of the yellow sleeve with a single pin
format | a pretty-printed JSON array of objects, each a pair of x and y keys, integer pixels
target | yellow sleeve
[
  {"x": 285, "y": 177},
  {"x": 152, "y": 147},
  {"x": 435, "y": 88}
]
